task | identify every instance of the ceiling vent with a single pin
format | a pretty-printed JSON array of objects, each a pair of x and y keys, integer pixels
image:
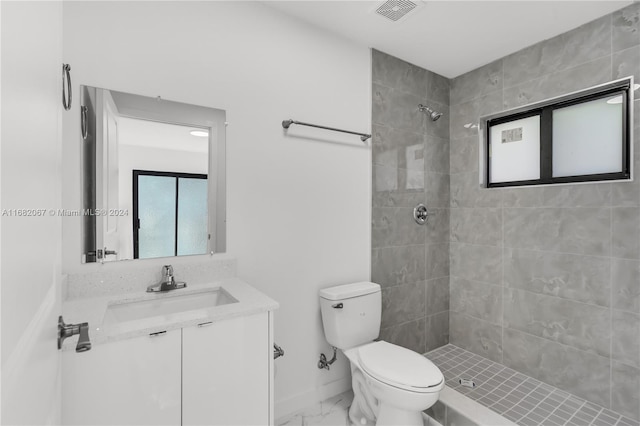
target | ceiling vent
[{"x": 394, "y": 10}]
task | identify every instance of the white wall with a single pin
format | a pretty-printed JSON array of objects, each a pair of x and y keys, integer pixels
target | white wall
[
  {"x": 298, "y": 207},
  {"x": 31, "y": 179}
]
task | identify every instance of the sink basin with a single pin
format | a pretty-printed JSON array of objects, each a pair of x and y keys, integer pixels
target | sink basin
[{"x": 166, "y": 306}]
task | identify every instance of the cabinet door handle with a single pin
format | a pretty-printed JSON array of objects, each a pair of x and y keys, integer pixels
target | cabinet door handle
[
  {"x": 158, "y": 333},
  {"x": 205, "y": 324}
]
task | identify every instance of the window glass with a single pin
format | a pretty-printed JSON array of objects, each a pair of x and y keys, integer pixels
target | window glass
[
  {"x": 586, "y": 138},
  {"x": 192, "y": 216},
  {"x": 515, "y": 150},
  {"x": 157, "y": 214}
]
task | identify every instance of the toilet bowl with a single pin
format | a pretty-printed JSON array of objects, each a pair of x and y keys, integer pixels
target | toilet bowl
[
  {"x": 392, "y": 385},
  {"x": 401, "y": 383}
]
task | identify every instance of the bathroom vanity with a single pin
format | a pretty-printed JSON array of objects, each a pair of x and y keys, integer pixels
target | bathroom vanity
[
  {"x": 199, "y": 355},
  {"x": 154, "y": 173}
]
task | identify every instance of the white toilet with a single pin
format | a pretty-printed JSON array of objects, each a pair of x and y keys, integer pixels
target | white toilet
[{"x": 392, "y": 385}]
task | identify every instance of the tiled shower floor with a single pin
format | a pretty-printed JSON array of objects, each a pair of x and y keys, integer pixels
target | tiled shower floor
[{"x": 521, "y": 399}]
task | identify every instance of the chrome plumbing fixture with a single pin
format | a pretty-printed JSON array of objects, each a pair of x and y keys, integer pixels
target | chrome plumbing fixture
[
  {"x": 468, "y": 383},
  {"x": 168, "y": 281},
  {"x": 420, "y": 214},
  {"x": 277, "y": 351},
  {"x": 68, "y": 330},
  {"x": 323, "y": 363},
  {"x": 434, "y": 115},
  {"x": 287, "y": 123},
  {"x": 66, "y": 91},
  {"x": 84, "y": 122}
]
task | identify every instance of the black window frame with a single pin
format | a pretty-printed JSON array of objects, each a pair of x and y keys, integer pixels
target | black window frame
[
  {"x": 545, "y": 111},
  {"x": 136, "y": 219}
]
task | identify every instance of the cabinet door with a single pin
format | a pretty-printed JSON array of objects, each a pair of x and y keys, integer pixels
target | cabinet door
[
  {"x": 225, "y": 372},
  {"x": 128, "y": 382}
]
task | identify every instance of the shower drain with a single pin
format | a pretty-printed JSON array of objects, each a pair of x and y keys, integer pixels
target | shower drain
[{"x": 467, "y": 383}]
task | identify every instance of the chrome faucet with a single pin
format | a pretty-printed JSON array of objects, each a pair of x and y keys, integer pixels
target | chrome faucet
[{"x": 168, "y": 281}]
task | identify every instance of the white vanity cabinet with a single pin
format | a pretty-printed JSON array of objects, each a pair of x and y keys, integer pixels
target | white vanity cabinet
[
  {"x": 134, "y": 381},
  {"x": 211, "y": 373},
  {"x": 225, "y": 372}
]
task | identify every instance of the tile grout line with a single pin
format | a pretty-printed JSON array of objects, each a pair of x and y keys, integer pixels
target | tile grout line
[
  {"x": 539, "y": 294},
  {"x": 611, "y": 289},
  {"x": 503, "y": 248},
  {"x": 611, "y": 251},
  {"x": 541, "y": 401},
  {"x": 559, "y": 71},
  {"x": 465, "y": 370},
  {"x": 503, "y": 382},
  {"x": 576, "y": 412},
  {"x": 550, "y": 251},
  {"x": 596, "y": 416},
  {"x": 503, "y": 88},
  {"x": 458, "y": 367},
  {"x": 491, "y": 377},
  {"x": 482, "y": 371},
  {"x": 544, "y": 339},
  {"x": 523, "y": 398},
  {"x": 556, "y": 409},
  {"x": 463, "y": 356}
]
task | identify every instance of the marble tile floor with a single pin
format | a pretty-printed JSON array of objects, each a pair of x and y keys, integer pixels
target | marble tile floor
[
  {"x": 521, "y": 399},
  {"x": 331, "y": 412}
]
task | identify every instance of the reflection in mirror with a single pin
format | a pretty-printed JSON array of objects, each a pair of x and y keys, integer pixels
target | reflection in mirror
[{"x": 153, "y": 177}]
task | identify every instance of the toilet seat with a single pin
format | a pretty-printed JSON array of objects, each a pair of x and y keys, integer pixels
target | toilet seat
[{"x": 399, "y": 367}]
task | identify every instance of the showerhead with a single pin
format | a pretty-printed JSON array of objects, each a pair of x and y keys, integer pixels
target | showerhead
[{"x": 434, "y": 115}]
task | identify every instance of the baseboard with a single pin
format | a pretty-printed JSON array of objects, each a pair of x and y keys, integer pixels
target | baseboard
[
  {"x": 300, "y": 401},
  {"x": 334, "y": 388}
]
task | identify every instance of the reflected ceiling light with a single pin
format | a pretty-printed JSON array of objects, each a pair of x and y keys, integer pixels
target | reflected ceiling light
[
  {"x": 618, "y": 99},
  {"x": 200, "y": 133}
]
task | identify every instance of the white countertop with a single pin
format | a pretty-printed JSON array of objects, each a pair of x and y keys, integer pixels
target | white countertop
[{"x": 93, "y": 310}]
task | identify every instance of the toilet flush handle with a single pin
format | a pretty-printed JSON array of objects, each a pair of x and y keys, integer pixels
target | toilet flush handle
[{"x": 337, "y": 306}]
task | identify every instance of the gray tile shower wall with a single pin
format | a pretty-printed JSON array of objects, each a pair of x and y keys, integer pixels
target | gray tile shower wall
[
  {"x": 547, "y": 280},
  {"x": 410, "y": 166}
]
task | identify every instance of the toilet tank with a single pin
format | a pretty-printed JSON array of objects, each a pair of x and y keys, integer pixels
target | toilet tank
[{"x": 351, "y": 314}]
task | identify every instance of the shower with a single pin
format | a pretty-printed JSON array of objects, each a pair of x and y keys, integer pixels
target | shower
[{"x": 434, "y": 115}]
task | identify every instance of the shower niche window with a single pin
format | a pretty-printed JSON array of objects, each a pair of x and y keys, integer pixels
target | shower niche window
[{"x": 582, "y": 137}]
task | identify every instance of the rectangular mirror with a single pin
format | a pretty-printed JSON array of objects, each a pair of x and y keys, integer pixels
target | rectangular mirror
[{"x": 153, "y": 176}]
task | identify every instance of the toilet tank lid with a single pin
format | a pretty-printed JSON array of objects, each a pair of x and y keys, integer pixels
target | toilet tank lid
[{"x": 347, "y": 291}]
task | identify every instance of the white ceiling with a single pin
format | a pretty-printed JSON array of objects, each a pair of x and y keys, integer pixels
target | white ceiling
[
  {"x": 153, "y": 134},
  {"x": 450, "y": 37}
]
